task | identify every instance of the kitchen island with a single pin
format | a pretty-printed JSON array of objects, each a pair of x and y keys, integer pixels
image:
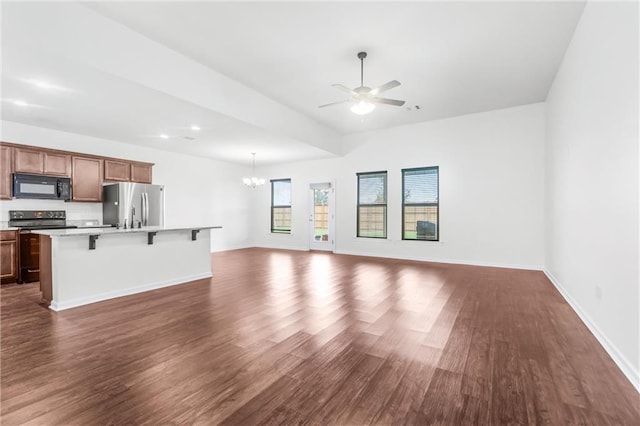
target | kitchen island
[{"x": 82, "y": 266}]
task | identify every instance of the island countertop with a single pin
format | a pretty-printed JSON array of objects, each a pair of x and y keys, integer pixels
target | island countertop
[{"x": 75, "y": 232}]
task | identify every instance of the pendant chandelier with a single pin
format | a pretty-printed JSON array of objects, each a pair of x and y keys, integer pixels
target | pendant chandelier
[{"x": 253, "y": 181}]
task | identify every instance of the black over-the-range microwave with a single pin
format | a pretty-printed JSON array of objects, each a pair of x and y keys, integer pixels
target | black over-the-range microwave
[{"x": 41, "y": 187}]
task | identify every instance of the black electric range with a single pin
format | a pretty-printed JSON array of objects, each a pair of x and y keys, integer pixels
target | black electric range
[{"x": 29, "y": 220}]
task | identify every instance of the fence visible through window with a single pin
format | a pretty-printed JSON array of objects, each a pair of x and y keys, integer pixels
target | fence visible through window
[
  {"x": 372, "y": 220},
  {"x": 414, "y": 215},
  {"x": 281, "y": 219},
  {"x": 321, "y": 222}
]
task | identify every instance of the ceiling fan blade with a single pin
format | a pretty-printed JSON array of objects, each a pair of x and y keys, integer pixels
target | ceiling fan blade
[
  {"x": 344, "y": 89},
  {"x": 336, "y": 103},
  {"x": 384, "y": 87},
  {"x": 387, "y": 101}
]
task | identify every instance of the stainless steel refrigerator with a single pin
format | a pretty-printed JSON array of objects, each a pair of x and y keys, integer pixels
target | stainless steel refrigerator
[{"x": 133, "y": 204}]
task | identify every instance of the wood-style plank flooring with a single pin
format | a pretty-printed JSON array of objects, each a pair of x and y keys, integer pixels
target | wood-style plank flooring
[{"x": 282, "y": 337}]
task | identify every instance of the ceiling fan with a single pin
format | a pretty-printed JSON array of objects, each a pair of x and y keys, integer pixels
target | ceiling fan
[{"x": 365, "y": 97}]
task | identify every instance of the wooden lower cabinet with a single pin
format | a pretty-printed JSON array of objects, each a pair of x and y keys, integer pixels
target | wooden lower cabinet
[
  {"x": 6, "y": 168},
  {"x": 8, "y": 256},
  {"x": 87, "y": 179}
]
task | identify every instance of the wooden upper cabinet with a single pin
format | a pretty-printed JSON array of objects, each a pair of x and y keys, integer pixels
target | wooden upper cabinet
[
  {"x": 6, "y": 169},
  {"x": 118, "y": 171},
  {"x": 40, "y": 161},
  {"x": 28, "y": 161},
  {"x": 81, "y": 168},
  {"x": 57, "y": 164},
  {"x": 141, "y": 172},
  {"x": 87, "y": 179}
]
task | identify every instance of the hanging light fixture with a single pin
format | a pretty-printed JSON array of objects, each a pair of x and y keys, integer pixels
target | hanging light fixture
[{"x": 253, "y": 181}]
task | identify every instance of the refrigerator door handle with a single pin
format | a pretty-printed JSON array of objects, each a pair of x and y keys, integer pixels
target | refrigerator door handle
[
  {"x": 143, "y": 217},
  {"x": 146, "y": 209}
]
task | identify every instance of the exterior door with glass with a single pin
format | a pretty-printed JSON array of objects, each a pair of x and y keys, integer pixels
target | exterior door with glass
[{"x": 321, "y": 217}]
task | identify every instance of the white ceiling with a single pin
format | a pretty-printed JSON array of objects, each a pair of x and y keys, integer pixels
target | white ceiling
[
  {"x": 88, "y": 101},
  {"x": 252, "y": 74}
]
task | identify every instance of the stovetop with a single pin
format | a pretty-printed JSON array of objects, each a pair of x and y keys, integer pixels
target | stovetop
[
  {"x": 36, "y": 227},
  {"x": 39, "y": 219}
]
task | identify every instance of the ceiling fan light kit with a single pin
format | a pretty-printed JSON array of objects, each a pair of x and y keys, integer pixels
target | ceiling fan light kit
[
  {"x": 362, "y": 108},
  {"x": 363, "y": 97}
]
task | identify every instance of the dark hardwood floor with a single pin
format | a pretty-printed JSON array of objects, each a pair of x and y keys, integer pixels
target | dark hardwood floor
[{"x": 281, "y": 337}]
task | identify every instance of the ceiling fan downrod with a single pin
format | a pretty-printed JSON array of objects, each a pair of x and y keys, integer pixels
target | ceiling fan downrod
[{"x": 361, "y": 56}]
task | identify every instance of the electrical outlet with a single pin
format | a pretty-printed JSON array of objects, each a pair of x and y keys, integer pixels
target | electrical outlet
[{"x": 598, "y": 293}]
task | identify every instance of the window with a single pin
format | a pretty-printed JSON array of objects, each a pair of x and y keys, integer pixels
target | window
[
  {"x": 420, "y": 208},
  {"x": 372, "y": 205},
  {"x": 281, "y": 206}
]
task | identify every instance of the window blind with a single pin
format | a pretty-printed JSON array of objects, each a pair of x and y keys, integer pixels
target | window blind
[
  {"x": 420, "y": 204},
  {"x": 281, "y": 206},
  {"x": 372, "y": 205}
]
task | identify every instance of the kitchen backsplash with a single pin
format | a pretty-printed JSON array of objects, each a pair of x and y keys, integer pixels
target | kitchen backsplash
[{"x": 75, "y": 211}]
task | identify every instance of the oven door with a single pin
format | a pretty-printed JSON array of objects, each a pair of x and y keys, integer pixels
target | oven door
[{"x": 41, "y": 187}]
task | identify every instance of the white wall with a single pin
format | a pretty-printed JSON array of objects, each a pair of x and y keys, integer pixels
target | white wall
[
  {"x": 301, "y": 174},
  {"x": 198, "y": 191},
  {"x": 491, "y": 189},
  {"x": 592, "y": 178}
]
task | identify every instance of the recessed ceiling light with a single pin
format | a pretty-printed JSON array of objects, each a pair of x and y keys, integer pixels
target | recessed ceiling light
[
  {"x": 195, "y": 128},
  {"x": 164, "y": 136},
  {"x": 20, "y": 103}
]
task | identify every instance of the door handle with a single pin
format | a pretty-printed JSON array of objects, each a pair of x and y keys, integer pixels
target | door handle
[
  {"x": 142, "y": 207},
  {"x": 146, "y": 208}
]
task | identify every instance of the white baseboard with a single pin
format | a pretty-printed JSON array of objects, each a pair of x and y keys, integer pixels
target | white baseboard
[
  {"x": 415, "y": 258},
  {"x": 621, "y": 361},
  {"x": 438, "y": 260},
  {"x": 283, "y": 247},
  {"x": 126, "y": 292},
  {"x": 233, "y": 247}
]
